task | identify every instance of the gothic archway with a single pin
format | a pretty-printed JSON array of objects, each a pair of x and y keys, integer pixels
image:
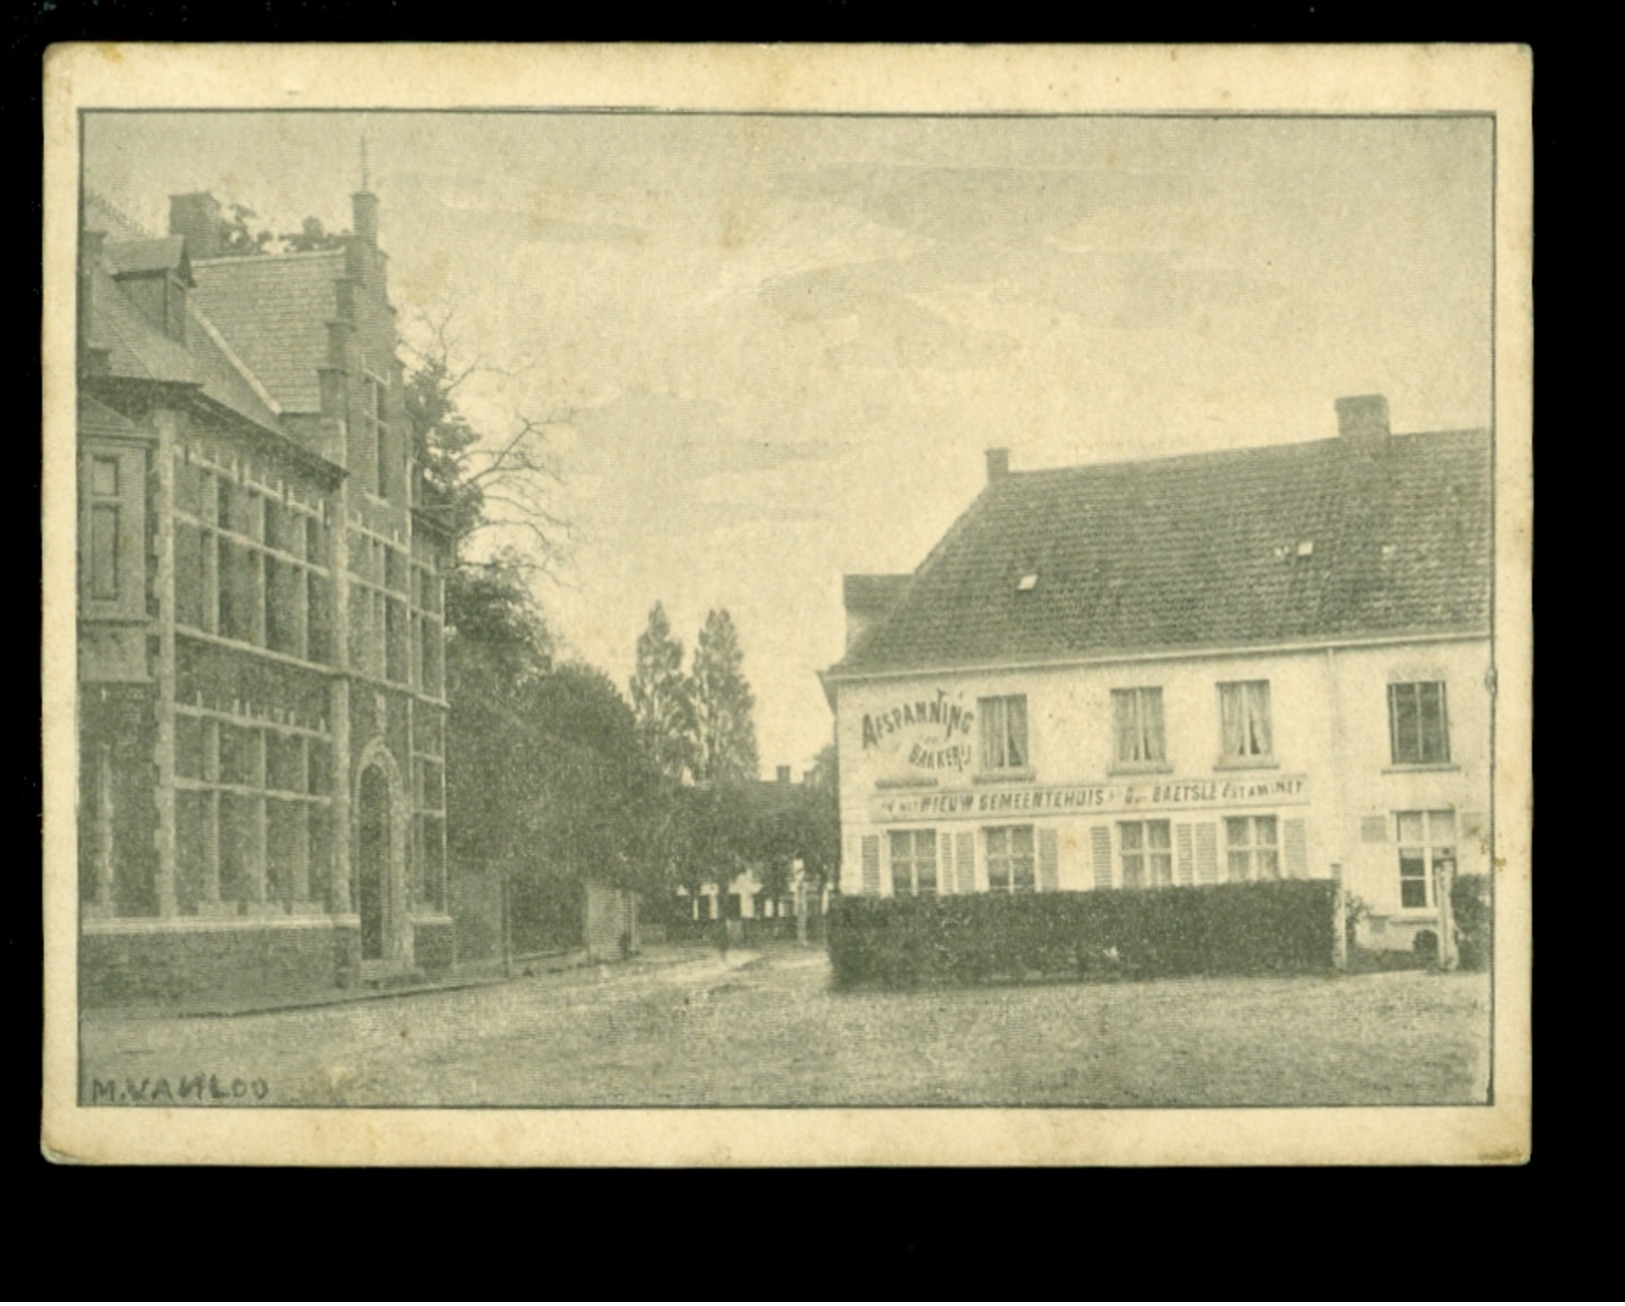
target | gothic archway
[{"x": 379, "y": 889}]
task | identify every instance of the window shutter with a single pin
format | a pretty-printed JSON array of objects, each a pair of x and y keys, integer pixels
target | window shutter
[
  {"x": 965, "y": 861},
  {"x": 871, "y": 864},
  {"x": 945, "y": 865},
  {"x": 1049, "y": 861},
  {"x": 1207, "y": 852},
  {"x": 1100, "y": 851},
  {"x": 1186, "y": 853},
  {"x": 1294, "y": 849}
]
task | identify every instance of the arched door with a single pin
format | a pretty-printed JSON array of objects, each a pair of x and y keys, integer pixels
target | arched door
[{"x": 373, "y": 857}]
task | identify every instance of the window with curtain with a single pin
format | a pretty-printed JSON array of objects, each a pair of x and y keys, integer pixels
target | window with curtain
[
  {"x": 1137, "y": 726},
  {"x": 1010, "y": 859},
  {"x": 1244, "y": 720},
  {"x": 1147, "y": 850},
  {"x": 1004, "y": 733},
  {"x": 1252, "y": 847}
]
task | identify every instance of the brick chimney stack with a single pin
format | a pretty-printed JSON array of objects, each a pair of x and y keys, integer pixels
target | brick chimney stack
[
  {"x": 1362, "y": 417},
  {"x": 784, "y": 775},
  {"x": 197, "y": 217},
  {"x": 998, "y": 465}
]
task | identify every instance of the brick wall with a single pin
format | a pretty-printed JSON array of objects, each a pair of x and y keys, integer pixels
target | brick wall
[{"x": 192, "y": 964}]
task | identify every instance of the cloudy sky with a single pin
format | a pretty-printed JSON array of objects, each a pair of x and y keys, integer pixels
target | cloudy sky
[{"x": 774, "y": 348}]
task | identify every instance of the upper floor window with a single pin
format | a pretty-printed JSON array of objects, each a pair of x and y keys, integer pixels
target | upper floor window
[
  {"x": 913, "y": 862},
  {"x": 112, "y": 530},
  {"x": 1004, "y": 733},
  {"x": 1244, "y": 720},
  {"x": 1137, "y": 726},
  {"x": 1417, "y": 726}
]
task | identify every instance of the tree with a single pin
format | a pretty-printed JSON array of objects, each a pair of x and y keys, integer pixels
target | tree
[
  {"x": 475, "y": 483},
  {"x": 662, "y": 700},
  {"x": 725, "y": 729}
]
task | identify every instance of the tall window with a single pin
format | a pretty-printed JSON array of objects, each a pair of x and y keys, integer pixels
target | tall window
[
  {"x": 1253, "y": 847},
  {"x": 377, "y": 433},
  {"x": 1417, "y": 727},
  {"x": 1244, "y": 720},
  {"x": 1426, "y": 840},
  {"x": 104, "y": 525},
  {"x": 1010, "y": 859},
  {"x": 913, "y": 862},
  {"x": 1004, "y": 733},
  {"x": 1148, "y": 854},
  {"x": 1137, "y": 724}
]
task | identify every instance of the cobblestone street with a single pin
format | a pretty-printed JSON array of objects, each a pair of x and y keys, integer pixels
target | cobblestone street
[{"x": 685, "y": 1027}]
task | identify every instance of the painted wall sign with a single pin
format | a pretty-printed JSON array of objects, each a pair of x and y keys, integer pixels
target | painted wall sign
[
  {"x": 930, "y": 733},
  {"x": 1069, "y": 800}
]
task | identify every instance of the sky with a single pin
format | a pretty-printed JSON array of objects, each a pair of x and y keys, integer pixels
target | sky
[{"x": 771, "y": 350}]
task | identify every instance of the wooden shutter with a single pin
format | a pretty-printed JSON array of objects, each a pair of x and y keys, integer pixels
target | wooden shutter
[
  {"x": 1185, "y": 848},
  {"x": 945, "y": 863},
  {"x": 965, "y": 861},
  {"x": 1100, "y": 853},
  {"x": 1049, "y": 861},
  {"x": 871, "y": 864},
  {"x": 1294, "y": 849},
  {"x": 1207, "y": 852}
]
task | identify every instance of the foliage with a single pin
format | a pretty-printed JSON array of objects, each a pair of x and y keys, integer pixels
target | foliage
[
  {"x": 725, "y": 729},
  {"x": 237, "y": 235},
  {"x": 662, "y": 700},
  {"x": 1280, "y": 926},
  {"x": 1474, "y": 911}
]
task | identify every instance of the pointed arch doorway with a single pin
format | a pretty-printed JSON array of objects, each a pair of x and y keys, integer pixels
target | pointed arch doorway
[{"x": 380, "y": 860}]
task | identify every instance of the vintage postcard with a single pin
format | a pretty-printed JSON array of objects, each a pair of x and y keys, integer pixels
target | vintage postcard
[{"x": 701, "y": 606}]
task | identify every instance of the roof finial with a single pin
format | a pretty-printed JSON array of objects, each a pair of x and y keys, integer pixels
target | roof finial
[{"x": 363, "y": 163}]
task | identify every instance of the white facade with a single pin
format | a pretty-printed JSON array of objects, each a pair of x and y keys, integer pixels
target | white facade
[{"x": 944, "y": 791}]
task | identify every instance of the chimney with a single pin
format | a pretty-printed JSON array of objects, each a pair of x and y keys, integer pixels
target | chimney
[
  {"x": 1362, "y": 417},
  {"x": 784, "y": 775},
  {"x": 364, "y": 210},
  {"x": 197, "y": 217},
  {"x": 998, "y": 465}
]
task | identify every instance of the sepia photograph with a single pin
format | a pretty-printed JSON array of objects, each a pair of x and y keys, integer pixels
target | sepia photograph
[{"x": 600, "y": 610}]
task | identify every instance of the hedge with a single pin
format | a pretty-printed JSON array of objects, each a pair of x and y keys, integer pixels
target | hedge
[{"x": 1278, "y": 926}]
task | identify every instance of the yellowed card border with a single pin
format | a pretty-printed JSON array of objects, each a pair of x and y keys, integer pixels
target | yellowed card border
[{"x": 871, "y": 79}]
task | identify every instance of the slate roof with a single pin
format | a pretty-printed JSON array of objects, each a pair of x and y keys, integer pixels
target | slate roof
[
  {"x": 1310, "y": 541},
  {"x": 96, "y": 418},
  {"x": 274, "y": 310},
  {"x": 138, "y": 350},
  {"x": 163, "y": 254}
]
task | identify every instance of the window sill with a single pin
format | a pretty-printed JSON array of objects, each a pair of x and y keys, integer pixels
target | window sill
[
  {"x": 1004, "y": 777},
  {"x": 1247, "y": 764},
  {"x": 1141, "y": 768},
  {"x": 1412, "y": 768}
]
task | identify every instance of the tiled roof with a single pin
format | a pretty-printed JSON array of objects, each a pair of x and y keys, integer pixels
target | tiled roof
[
  {"x": 164, "y": 254},
  {"x": 273, "y": 310},
  {"x": 874, "y": 593},
  {"x": 137, "y": 349},
  {"x": 1334, "y": 538},
  {"x": 96, "y": 418}
]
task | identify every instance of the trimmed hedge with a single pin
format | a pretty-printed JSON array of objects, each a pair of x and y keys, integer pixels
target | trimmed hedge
[{"x": 1277, "y": 926}]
